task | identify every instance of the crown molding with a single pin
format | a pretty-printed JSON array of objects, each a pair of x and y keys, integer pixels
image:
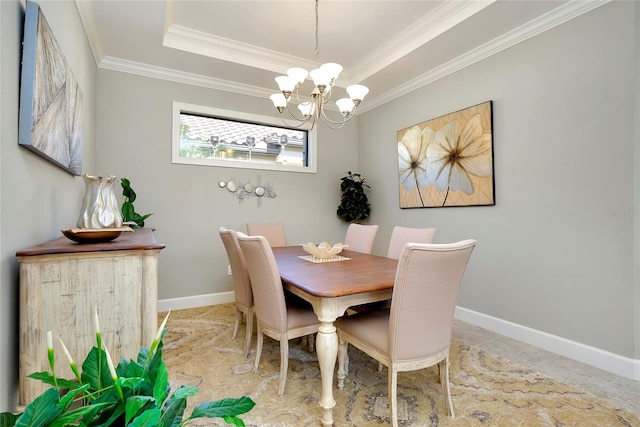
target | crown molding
[
  {"x": 537, "y": 26},
  {"x": 443, "y": 18},
  {"x": 146, "y": 70},
  {"x": 88, "y": 20},
  {"x": 546, "y": 22}
]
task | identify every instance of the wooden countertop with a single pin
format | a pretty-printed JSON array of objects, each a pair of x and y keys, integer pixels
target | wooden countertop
[{"x": 139, "y": 239}]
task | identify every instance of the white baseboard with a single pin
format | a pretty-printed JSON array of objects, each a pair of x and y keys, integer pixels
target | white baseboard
[
  {"x": 602, "y": 359},
  {"x": 611, "y": 362},
  {"x": 195, "y": 301}
]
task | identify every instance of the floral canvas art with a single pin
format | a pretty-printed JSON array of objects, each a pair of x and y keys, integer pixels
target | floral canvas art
[{"x": 448, "y": 161}]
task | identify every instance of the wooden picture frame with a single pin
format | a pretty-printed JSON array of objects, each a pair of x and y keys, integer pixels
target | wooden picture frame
[
  {"x": 50, "y": 118},
  {"x": 448, "y": 161}
]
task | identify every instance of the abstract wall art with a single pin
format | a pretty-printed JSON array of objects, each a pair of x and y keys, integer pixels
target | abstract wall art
[
  {"x": 448, "y": 161},
  {"x": 50, "y": 121}
]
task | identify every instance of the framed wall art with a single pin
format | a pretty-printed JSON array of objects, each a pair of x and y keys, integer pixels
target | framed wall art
[
  {"x": 448, "y": 161},
  {"x": 50, "y": 121}
]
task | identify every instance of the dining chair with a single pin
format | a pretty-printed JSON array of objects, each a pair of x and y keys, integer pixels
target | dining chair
[
  {"x": 272, "y": 231},
  {"x": 400, "y": 236},
  {"x": 241, "y": 285},
  {"x": 415, "y": 333},
  {"x": 279, "y": 317},
  {"x": 360, "y": 237}
]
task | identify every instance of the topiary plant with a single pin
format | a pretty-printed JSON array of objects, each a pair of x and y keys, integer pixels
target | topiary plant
[
  {"x": 129, "y": 214},
  {"x": 354, "y": 205}
]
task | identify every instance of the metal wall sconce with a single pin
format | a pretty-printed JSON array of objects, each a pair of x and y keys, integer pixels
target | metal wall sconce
[{"x": 247, "y": 190}]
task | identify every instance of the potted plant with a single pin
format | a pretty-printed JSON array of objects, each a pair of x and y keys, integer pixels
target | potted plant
[
  {"x": 129, "y": 214},
  {"x": 354, "y": 205},
  {"x": 135, "y": 393}
]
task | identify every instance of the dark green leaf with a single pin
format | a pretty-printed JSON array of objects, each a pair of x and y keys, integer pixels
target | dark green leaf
[
  {"x": 134, "y": 404},
  {"x": 47, "y": 378},
  {"x": 222, "y": 408},
  {"x": 161, "y": 386},
  {"x": 148, "y": 418},
  {"x": 41, "y": 411},
  {"x": 7, "y": 419},
  {"x": 173, "y": 410},
  {"x": 67, "y": 418},
  {"x": 95, "y": 370}
]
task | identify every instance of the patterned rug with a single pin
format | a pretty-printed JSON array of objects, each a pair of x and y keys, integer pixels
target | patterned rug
[{"x": 486, "y": 390}]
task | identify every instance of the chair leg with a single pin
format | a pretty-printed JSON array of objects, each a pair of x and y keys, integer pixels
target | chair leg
[
  {"x": 443, "y": 367},
  {"x": 247, "y": 339},
  {"x": 311, "y": 341},
  {"x": 393, "y": 396},
  {"x": 237, "y": 322},
  {"x": 258, "y": 349},
  {"x": 343, "y": 362},
  {"x": 284, "y": 364}
]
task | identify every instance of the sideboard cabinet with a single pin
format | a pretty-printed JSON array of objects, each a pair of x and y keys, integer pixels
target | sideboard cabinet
[{"x": 62, "y": 283}]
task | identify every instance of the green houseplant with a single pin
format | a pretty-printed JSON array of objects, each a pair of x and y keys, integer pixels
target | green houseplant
[
  {"x": 135, "y": 393},
  {"x": 354, "y": 205},
  {"x": 129, "y": 214}
]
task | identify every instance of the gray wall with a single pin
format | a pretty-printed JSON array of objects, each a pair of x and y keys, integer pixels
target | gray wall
[
  {"x": 134, "y": 141},
  {"x": 551, "y": 256},
  {"x": 38, "y": 198}
]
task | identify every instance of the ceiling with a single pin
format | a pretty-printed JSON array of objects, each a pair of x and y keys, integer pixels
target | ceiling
[{"x": 391, "y": 46}]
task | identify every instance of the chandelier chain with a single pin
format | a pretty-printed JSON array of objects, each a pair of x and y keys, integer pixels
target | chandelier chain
[{"x": 316, "y": 33}]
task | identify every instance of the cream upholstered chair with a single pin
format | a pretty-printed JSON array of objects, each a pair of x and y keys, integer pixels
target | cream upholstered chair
[
  {"x": 272, "y": 231},
  {"x": 403, "y": 235},
  {"x": 360, "y": 237},
  {"x": 241, "y": 285},
  {"x": 416, "y": 332},
  {"x": 278, "y": 317}
]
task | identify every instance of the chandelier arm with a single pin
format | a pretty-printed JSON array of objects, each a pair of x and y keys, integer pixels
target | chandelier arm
[
  {"x": 344, "y": 120},
  {"x": 294, "y": 126},
  {"x": 296, "y": 118},
  {"x": 328, "y": 123}
]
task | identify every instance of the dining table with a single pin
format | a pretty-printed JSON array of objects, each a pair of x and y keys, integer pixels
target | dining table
[{"x": 331, "y": 286}]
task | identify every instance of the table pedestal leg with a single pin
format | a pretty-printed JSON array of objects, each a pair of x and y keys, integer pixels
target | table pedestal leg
[{"x": 327, "y": 348}]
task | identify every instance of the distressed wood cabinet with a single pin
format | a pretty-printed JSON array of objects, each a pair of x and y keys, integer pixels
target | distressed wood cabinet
[{"x": 61, "y": 282}]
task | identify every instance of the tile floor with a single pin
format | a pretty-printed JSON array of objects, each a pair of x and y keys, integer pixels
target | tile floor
[{"x": 618, "y": 390}]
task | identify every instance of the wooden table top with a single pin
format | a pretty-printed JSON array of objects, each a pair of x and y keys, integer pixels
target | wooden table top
[
  {"x": 139, "y": 239},
  {"x": 362, "y": 273}
]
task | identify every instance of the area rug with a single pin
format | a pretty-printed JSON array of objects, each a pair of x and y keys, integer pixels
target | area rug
[{"x": 486, "y": 390}]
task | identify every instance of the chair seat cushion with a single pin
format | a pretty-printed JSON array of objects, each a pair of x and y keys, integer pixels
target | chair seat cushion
[
  {"x": 299, "y": 312},
  {"x": 371, "y": 327}
]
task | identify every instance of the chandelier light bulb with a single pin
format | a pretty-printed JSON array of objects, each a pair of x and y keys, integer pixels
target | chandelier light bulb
[
  {"x": 345, "y": 105},
  {"x": 286, "y": 85},
  {"x": 307, "y": 108},
  {"x": 332, "y": 70},
  {"x": 279, "y": 101},
  {"x": 298, "y": 75},
  {"x": 320, "y": 78},
  {"x": 357, "y": 93}
]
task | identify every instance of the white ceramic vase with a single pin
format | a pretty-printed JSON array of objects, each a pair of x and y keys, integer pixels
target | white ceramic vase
[{"x": 99, "y": 206}]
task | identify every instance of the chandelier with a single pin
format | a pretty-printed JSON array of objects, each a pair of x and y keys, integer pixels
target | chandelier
[{"x": 324, "y": 78}]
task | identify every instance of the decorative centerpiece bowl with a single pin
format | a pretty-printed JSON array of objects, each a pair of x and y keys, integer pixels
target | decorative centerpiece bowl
[{"x": 324, "y": 250}]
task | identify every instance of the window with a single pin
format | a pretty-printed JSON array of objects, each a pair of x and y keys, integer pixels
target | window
[{"x": 215, "y": 137}]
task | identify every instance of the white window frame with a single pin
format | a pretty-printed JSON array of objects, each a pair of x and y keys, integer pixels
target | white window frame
[{"x": 181, "y": 107}]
